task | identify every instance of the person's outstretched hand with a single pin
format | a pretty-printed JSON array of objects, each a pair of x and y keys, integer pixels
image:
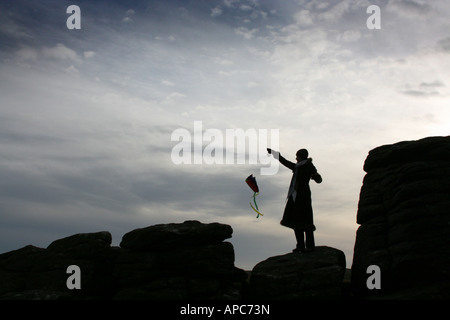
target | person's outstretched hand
[{"x": 269, "y": 150}]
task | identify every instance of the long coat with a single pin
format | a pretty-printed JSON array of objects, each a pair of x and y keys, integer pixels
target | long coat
[{"x": 298, "y": 213}]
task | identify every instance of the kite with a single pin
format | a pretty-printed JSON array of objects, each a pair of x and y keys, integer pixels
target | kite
[{"x": 251, "y": 181}]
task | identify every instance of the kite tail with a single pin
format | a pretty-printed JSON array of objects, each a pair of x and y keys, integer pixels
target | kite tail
[{"x": 256, "y": 205}]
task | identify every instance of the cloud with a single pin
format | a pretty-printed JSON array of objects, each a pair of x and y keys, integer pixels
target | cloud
[
  {"x": 129, "y": 14},
  {"x": 230, "y": 3},
  {"x": 72, "y": 69},
  {"x": 167, "y": 83},
  {"x": 420, "y": 93},
  {"x": 89, "y": 54},
  {"x": 60, "y": 52},
  {"x": 350, "y": 36},
  {"x": 444, "y": 44},
  {"x": 304, "y": 18},
  {"x": 433, "y": 84},
  {"x": 57, "y": 53},
  {"x": 217, "y": 11},
  {"x": 245, "y": 32},
  {"x": 173, "y": 97},
  {"x": 245, "y": 7},
  {"x": 410, "y": 8},
  {"x": 424, "y": 89},
  {"x": 13, "y": 29},
  {"x": 223, "y": 62},
  {"x": 27, "y": 53},
  {"x": 336, "y": 11}
]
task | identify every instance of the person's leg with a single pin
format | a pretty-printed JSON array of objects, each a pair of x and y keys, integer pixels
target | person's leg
[
  {"x": 310, "y": 244},
  {"x": 299, "y": 235}
]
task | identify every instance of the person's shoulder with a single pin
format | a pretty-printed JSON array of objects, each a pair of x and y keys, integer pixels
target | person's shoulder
[{"x": 310, "y": 164}]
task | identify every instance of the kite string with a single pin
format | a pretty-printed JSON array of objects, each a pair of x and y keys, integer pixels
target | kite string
[
  {"x": 256, "y": 205},
  {"x": 254, "y": 199}
]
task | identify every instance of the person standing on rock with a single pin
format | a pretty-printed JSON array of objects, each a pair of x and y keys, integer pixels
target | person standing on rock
[{"x": 298, "y": 213}]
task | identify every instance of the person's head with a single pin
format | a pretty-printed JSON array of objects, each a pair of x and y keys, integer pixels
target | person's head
[{"x": 302, "y": 154}]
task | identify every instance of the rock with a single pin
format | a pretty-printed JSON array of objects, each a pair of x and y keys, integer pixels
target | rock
[
  {"x": 198, "y": 272},
  {"x": 82, "y": 242},
  {"x": 179, "y": 261},
  {"x": 174, "y": 261},
  {"x": 19, "y": 270},
  {"x": 314, "y": 275},
  {"x": 173, "y": 235},
  {"x": 430, "y": 149},
  {"x": 404, "y": 219},
  {"x": 37, "y": 273}
]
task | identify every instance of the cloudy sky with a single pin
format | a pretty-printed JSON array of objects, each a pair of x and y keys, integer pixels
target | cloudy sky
[{"x": 87, "y": 115}]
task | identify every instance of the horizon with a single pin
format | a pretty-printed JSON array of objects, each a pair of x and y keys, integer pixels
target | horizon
[{"x": 88, "y": 108}]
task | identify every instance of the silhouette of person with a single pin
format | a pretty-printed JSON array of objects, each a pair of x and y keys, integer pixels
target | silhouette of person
[{"x": 298, "y": 213}]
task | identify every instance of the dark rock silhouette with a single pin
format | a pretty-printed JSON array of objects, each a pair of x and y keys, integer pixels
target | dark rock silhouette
[
  {"x": 405, "y": 220},
  {"x": 37, "y": 273},
  {"x": 174, "y": 235},
  {"x": 178, "y": 261},
  {"x": 173, "y": 261},
  {"x": 313, "y": 275}
]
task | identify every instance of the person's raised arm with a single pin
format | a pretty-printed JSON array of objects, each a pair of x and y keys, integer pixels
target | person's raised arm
[{"x": 283, "y": 161}]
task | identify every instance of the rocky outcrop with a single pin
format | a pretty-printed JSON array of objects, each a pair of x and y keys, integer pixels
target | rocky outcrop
[
  {"x": 178, "y": 261},
  {"x": 174, "y": 236},
  {"x": 189, "y": 260},
  {"x": 38, "y": 273},
  {"x": 313, "y": 275},
  {"x": 404, "y": 219}
]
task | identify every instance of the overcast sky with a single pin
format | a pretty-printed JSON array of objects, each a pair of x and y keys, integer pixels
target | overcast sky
[{"x": 87, "y": 115}]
